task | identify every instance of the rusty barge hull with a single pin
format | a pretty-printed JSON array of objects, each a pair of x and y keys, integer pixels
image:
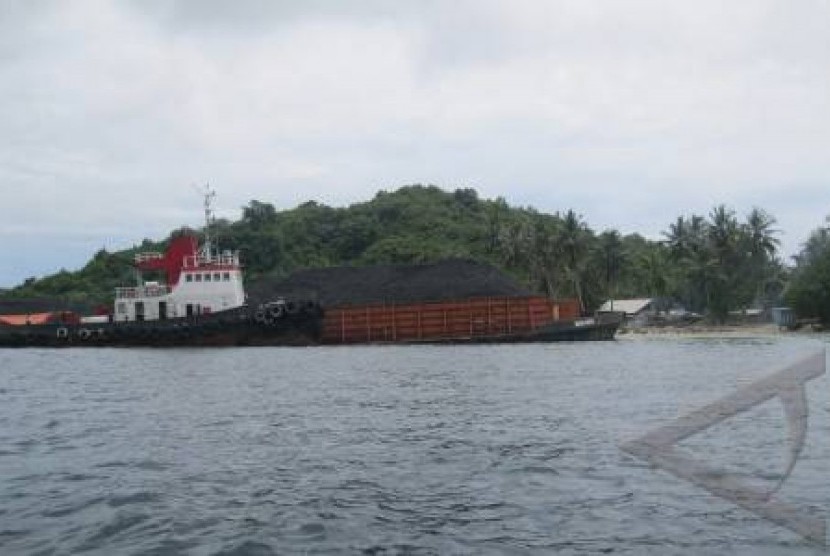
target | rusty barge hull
[{"x": 477, "y": 320}]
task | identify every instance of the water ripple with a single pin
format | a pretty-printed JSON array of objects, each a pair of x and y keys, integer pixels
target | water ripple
[{"x": 418, "y": 450}]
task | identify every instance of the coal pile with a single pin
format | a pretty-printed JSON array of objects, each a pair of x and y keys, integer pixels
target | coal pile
[{"x": 449, "y": 279}]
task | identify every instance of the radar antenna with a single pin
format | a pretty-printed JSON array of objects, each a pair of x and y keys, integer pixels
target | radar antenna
[{"x": 208, "y": 195}]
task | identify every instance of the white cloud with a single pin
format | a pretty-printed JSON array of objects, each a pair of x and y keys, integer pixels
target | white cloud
[{"x": 631, "y": 112}]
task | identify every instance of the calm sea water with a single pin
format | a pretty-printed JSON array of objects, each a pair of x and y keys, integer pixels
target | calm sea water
[{"x": 391, "y": 450}]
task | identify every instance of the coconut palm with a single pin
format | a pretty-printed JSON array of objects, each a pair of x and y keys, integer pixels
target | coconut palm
[
  {"x": 678, "y": 238},
  {"x": 613, "y": 257},
  {"x": 761, "y": 234},
  {"x": 573, "y": 241},
  {"x": 726, "y": 261},
  {"x": 654, "y": 271},
  {"x": 687, "y": 248},
  {"x": 761, "y": 247},
  {"x": 723, "y": 232}
]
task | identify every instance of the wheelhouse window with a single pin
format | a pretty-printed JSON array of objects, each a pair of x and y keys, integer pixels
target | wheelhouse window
[
  {"x": 216, "y": 277},
  {"x": 188, "y": 277},
  {"x": 226, "y": 276},
  {"x": 207, "y": 277},
  {"x": 198, "y": 277}
]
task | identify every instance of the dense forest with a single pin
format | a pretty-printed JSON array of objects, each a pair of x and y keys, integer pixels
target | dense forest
[
  {"x": 808, "y": 290},
  {"x": 710, "y": 264}
]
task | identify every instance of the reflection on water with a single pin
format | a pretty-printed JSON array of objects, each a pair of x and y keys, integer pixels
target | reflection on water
[{"x": 384, "y": 450}]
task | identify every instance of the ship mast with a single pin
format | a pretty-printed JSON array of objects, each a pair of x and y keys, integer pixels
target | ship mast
[{"x": 208, "y": 195}]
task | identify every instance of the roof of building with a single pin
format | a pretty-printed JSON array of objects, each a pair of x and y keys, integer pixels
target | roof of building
[{"x": 628, "y": 306}]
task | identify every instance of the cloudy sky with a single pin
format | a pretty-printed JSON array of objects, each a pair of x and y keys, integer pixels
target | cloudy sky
[{"x": 630, "y": 112}]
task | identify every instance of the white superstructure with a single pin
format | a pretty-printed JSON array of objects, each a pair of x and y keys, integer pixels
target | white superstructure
[{"x": 198, "y": 280}]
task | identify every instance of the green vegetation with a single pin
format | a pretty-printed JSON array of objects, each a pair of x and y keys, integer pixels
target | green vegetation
[
  {"x": 808, "y": 291},
  {"x": 710, "y": 264},
  {"x": 721, "y": 264}
]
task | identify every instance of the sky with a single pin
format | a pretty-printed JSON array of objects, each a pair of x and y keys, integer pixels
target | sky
[{"x": 630, "y": 112}]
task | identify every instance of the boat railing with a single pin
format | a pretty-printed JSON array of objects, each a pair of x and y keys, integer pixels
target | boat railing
[
  {"x": 142, "y": 291},
  {"x": 226, "y": 258},
  {"x": 148, "y": 256}
]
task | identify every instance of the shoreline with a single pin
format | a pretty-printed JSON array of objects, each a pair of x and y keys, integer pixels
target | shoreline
[{"x": 765, "y": 330}]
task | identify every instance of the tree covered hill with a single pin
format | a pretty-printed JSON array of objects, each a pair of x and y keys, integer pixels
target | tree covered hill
[{"x": 710, "y": 264}]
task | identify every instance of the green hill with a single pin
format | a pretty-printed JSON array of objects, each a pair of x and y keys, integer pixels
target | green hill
[{"x": 556, "y": 254}]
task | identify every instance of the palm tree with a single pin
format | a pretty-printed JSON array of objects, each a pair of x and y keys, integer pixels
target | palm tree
[
  {"x": 654, "y": 268},
  {"x": 495, "y": 212},
  {"x": 815, "y": 246},
  {"x": 686, "y": 242},
  {"x": 678, "y": 238},
  {"x": 547, "y": 255},
  {"x": 613, "y": 258},
  {"x": 761, "y": 234},
  {"x": 808, "y": 291},
  {"x": 723, "y": 231},
  {"x": 573, "y": 243},
  {"x": 761, "y": 246},
  {"x": 724, "y": 238},
  {"x": 513, "y": 241}
]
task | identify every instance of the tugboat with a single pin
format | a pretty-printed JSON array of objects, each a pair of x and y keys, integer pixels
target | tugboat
[{"x": 201, "y": 302}]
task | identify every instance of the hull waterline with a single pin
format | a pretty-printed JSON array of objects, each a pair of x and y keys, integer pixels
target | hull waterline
[{"x": 240, "y": 327}]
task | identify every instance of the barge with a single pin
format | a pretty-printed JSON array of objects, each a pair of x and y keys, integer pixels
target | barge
[{"x": 476, "y": 320}]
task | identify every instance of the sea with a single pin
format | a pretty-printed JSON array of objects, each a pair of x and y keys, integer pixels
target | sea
[{"x": 495, "y": 449}]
